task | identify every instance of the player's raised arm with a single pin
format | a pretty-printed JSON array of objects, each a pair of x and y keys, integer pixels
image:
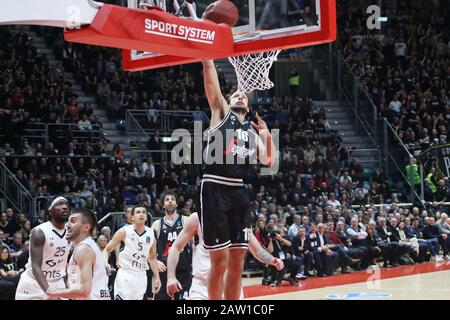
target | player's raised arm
[
  {"x": 37, "y": 241},
  {"x": 216, "y": 101},
  {"x": 187, "y": 233},
  {"x": 85, "y": 259},
  {"x": 119, "y": 236}
]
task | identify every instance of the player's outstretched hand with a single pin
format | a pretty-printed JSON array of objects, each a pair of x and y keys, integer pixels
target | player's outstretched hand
[
  {"x": 157, "y": 285},
  {"x": 161, "y": 266},
  {"x": 278, "y": 263},
  {"x": 260, "y": 125},
  {"x": 173, "y": 286}
]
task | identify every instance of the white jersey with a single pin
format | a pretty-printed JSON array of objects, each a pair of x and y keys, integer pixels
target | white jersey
[
  {"x": 54, "y": 254},
  {"x": 134, "y": 255},
  {"x": 201, "y": 264},
  {"x": 99, "y": 290}
]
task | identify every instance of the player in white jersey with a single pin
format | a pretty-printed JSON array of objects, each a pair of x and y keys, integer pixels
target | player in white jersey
[
  {"x": 201, "y": 261},
  {"x": 138, "y": 252},
  {"x": 49, "y": 250},
  {"x": 87, "y": 273}
]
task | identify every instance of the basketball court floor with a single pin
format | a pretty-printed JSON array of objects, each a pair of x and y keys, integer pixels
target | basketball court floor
[{"x": 427, "y": 281}]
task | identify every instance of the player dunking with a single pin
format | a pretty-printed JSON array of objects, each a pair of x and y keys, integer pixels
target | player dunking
[
  {"x": 167, "y": 230},
  {"x": 87, "y": 274},
  {"x": 201, "y": 263},
  {"x": 49, "y": 250},
  {"x": 224, "y": 203},
  {"x": 139, "y": 250}
]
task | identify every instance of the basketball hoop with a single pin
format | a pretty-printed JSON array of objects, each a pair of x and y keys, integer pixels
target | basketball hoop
[{"x": 252, "y": 70}]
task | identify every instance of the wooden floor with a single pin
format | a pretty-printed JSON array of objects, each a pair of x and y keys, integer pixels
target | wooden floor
[{"x": 430, "y": 281}]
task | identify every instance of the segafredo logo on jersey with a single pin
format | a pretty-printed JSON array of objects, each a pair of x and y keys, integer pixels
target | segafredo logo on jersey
[
  {"x": 224, "y": 147},
  {"x": 172, "y": 30}
]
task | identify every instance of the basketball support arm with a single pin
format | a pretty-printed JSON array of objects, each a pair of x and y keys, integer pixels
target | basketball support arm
[
  {"x": 153, "y": 30},
  {"x": 53, "y": 13}
]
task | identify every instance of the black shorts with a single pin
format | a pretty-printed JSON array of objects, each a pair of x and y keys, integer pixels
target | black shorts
[{"x": 224, "y": 215}]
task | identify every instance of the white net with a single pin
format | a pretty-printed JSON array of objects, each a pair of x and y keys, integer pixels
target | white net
[{"x": 252, "y": 70}]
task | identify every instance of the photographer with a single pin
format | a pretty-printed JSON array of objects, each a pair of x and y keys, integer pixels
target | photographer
[{"x": 280, "y": 247}]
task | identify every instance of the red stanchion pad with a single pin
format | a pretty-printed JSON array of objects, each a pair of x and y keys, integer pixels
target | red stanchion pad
[{"x": 155, "y": 31}]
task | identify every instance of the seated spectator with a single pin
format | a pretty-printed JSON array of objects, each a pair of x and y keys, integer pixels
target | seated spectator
[
  {"x": 128, "y": 197},
  {"x": 106, "y": 231},
  {"x": 301, "y": 251},
  {"x": 22, "y": 259},
  {"x": 117, "y": 151},
  {"x": 5, "y": 226},
  {"x": 124, "y": 220},
  {"x": 430, "y": 245},
  {"x": 431, "y": 231},
  {"x": 293, "y": 229},
  {"x": 344, "y": 240},
  {"x": 442, "y": 224},
  {"x": 336, "y": 246},
  {"x": 305, "y": 223},
  {"x": 8, "y": 272},
  {"x": 358, "y": 240},
  {"x": 324, "y": 257},
  {"x": 333, "y": 202},
  {"x": 413, "y": 242},
  {"x": 42, "y": 217},
  {"x": 25, "y": 228},
  {"x": 404, "y": 247},
  {"x": 2, "y": 239},
  {"x": 16, "y": 244},
  {"x": 261, "y": 233}
]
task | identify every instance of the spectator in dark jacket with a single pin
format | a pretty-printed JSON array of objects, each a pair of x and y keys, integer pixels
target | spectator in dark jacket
[
  {"x": 324, "y": 257},
  {"x": 301, "y": 249},
  {"x": 433, "y": 244},
  {"x": 424, "y": 245},
  {"x": 431, "y": 231},
  {"x": 385, "y": 233}
]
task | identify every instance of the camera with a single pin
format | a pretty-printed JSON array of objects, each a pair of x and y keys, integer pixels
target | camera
[{"x": 273, "y": 233}]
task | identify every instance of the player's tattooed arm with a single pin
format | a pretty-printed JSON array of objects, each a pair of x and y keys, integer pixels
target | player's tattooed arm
[{"x": 261, "y": 254}]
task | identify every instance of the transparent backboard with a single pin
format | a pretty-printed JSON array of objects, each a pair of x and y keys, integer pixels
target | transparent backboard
[{"x": 263, "y": 25}]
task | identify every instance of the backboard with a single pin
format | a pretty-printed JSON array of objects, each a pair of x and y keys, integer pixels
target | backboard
[{"x": 264, "y": 25}]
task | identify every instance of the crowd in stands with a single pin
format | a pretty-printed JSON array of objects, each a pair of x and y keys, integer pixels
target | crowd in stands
[
  {"x": 405, "y": 67},
  {"x": 405, "y": 70},
  {"x": 320, "y": 212}
]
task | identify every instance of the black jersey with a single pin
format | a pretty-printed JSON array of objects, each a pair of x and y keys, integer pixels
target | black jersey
[
  {"x": 230, "y": 147},
  {"x": 167, "y": 235}
]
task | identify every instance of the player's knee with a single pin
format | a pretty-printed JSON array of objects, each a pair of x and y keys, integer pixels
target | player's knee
[
  {"x": 235, "y": 265},
  {"x": 218, "y": 266}
]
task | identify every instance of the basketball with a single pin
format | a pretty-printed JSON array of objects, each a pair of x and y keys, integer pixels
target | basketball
[{"x": 222, "y": 11}]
